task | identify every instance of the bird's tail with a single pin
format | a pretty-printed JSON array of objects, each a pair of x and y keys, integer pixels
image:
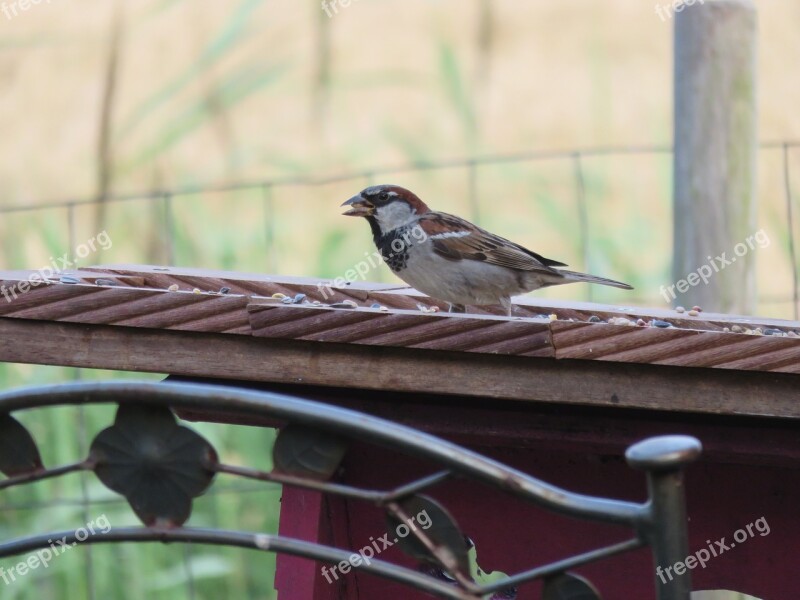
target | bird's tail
[{"x": 585, "y": 277}]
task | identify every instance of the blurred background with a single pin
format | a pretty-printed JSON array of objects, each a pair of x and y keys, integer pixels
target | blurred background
[{"x": 225, "y": 135}]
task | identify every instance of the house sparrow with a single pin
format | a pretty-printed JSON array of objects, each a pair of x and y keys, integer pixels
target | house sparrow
[{"x": 449, "y": 258}]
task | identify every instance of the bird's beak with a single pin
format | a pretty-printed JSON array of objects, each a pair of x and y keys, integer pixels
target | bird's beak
[{"x": 359, "y": 207}]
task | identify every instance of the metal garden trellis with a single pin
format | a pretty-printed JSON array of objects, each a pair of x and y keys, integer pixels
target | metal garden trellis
[{"x": 146, "y": 451}]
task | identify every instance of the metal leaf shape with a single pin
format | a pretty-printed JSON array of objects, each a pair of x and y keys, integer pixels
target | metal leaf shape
[
  {"x": 568, "y": 586},
  {"x": 438, "y": 526},
  {"x": 158, "y": 465},
  {"x": 18, "y": 452},
  {"x": 305, "y": 452},
  {"x": 481, "y": 577}
]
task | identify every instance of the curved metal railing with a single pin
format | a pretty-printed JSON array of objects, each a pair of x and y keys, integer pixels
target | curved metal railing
[{"x": 146, "y": 440}]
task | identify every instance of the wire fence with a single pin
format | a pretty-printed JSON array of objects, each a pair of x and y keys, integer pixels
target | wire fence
[{"x": 267, "y": 188}]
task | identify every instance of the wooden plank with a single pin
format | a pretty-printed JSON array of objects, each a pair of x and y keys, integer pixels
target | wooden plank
[
  {"x": 694, "y": 341},
  {"x": 131, "y": 307},
  {"x": 410, "y": 329},
  {"x": 486, "y": 376},
  {"x": 676, "y": 347},
  {"x": 251, "y": 284},
  {"x": 508, "y": 424},
  {"x": 402, "y": 297}
]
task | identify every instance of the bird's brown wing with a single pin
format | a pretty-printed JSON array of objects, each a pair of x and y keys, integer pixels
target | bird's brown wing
[{"x": 456, "y": 239}]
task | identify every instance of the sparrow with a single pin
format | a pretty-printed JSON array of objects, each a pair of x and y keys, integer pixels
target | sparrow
[{"x": 449, "y": 258}]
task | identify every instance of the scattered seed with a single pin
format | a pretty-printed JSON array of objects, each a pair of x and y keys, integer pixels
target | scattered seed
[
  {"x": 621, "y": 321},
  {"x": 772, "y": 332},
  {"x": 160, "y": 268},
  {"x": 553, "y": 317},
  {"x": 640, "y": 322},
  {"x": 595, "y": 319},
  {"x": 287, "y": 300},
  {"x": 104, "y": 281},
  {"x": 792, "y": 334},
  {"x": 342, "y": 305},
  {"x": 697, "y": 308},
  {"x": 736, "y": 329},
  {"x": 316, "y": 303},
  {"x": 173, "y": 288},
  {"x": 542, "y": 316},
  {"x": 298, "y": 298},
  {"x": 660, "y": 323},
  {"x": 279, "y": 296},
  {"x": 69, "y": 279},
  {"x": 693, "y": 313},
  {"x": 726, "y": 329},
  {"x": 196, "y": 291},
  {"x": 433, "y": 309},
  {"x": 384, "y": 308},
  {"x": 680, "y": 309},
  {"x": 224, "y": 290},
  {"x": 375, "y": 305}
]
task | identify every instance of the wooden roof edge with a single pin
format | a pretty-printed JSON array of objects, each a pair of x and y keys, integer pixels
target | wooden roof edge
[
  {"x": 378, "y": 292},
  {"x": 576, "y": 382},
  {"x": 219, "y": 302}
]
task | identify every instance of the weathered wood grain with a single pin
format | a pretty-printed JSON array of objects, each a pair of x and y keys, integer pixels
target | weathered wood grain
[
  {"x": 140, "y": 298},
  {"x": 677, "y": 347},
  {"x": 408, "y": 329},
  {"x": 481, "y": 376}
]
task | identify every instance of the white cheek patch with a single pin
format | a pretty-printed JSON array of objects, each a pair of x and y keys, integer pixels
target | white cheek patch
[
  {"x": 394, "y": 215},
  {"x": 450, "y": 234}
]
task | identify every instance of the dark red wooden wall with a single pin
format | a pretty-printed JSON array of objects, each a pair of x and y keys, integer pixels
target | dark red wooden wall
[{"x": 750, "y": 469}]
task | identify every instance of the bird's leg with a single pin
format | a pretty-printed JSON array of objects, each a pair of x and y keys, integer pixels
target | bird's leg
[
  {"x": 457, "y": 308},
  {"x": 506, "y": 303}
]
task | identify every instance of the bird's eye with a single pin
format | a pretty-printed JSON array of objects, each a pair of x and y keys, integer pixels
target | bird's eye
[{"x": 384, "y": 196}]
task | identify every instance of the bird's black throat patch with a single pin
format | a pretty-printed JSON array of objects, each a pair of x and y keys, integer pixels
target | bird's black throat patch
[{"x": 393, "y": 245}]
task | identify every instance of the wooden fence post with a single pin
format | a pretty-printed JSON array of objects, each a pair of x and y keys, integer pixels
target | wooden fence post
[{"x": 715, "y": 156}]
